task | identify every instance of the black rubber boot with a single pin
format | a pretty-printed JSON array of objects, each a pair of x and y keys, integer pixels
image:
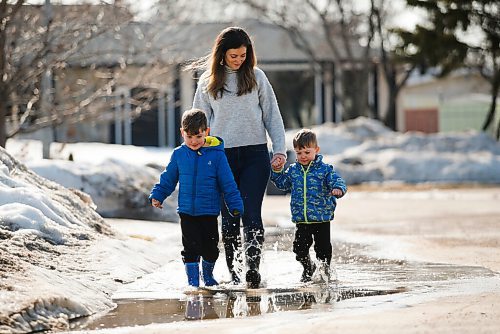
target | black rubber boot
[
  {"x": 309, "y": 268},
  {"x": 324, "y": 272},
  {"x": 253, "y": 279},
  {"x": 253, "y": 251},
  {"x": 231, "y": 247}
]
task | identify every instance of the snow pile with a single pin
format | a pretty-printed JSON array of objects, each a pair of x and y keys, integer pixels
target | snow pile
[
  {"x": 42, "y": 201},
  {"x": 336, "y": 138},
  {"x": 59, "y": 258},
  {"x": 363, "y": 150},
  {"x": 119, "y": 189},
  {"x": 118, "y": 178},
  {"x": 97, "y": 153}
]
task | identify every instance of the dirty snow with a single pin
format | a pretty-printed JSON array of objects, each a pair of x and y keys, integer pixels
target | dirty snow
[{"x": 60, "y": 260}]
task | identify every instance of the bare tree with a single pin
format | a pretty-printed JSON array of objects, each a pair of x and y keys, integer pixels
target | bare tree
[
  {"x": 37, "y": 42},
  {"x": 395, "y": 69},
  {"x": 342, "y": 25},
  {"x": 63, "y": 65},
  {"x": 338, "y": 22}
]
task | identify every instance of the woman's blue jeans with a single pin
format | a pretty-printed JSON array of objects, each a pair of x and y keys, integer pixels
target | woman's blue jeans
[{"x": 251, "y": 169}]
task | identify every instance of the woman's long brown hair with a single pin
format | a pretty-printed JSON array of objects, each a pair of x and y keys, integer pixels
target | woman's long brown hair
[{"x": 231, "y": 38}]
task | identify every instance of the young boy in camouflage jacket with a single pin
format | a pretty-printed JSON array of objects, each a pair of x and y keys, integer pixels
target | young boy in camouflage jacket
[{"x": 314, "y": 187}]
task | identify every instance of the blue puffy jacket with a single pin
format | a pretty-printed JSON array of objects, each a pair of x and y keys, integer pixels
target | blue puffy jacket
[
  {"x": 311, "y": 186},
  {"x": 202, "y": 175}
]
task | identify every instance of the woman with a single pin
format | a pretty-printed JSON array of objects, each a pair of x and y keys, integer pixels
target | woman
[{"x": 241, "y": 108}]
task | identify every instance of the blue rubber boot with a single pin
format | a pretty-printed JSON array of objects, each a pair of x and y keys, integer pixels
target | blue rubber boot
[
  {"x": 193, "y": 273},
  {"x": 207, "y": 269}
]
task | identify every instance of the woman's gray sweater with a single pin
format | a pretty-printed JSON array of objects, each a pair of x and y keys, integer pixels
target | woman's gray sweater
[{"x": 243, "y": 120}]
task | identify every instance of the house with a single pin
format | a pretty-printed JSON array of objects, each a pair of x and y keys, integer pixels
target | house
[
  {"x": 457, "y": 102},
  {"x": 146, "y": 89}
]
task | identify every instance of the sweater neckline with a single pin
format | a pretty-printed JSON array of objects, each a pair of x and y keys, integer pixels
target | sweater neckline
[{"x": 229, "y": 69}]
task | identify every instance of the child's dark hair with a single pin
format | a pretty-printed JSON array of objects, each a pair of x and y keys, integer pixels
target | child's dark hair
[
  {"x": 304, "y": 138},
  {"x": 194, "y": 121}
]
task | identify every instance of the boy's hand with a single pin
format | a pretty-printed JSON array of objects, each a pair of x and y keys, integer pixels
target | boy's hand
[
  {"x": 156, "y": 203},
  {"x": 278, "y": 161},
  {"x": 337, "y": 192}
]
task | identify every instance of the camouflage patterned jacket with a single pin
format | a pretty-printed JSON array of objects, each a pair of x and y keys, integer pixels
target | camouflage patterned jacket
[{"x": 310, "y": 187}]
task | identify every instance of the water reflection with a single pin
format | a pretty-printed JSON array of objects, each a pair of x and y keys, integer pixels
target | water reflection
[
  {"x": 199, "y": 308},
  {"x": 203, "y": 306},
  {"x": 242, "y": 304}
]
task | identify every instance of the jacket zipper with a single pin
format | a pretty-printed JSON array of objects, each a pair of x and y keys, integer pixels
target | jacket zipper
[
  {"x": 305, "y": 190},
  {"x": 198, "y": 153}
]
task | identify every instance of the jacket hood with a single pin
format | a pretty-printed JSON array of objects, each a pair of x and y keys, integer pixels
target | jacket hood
[{"x": 212, "y": 142}]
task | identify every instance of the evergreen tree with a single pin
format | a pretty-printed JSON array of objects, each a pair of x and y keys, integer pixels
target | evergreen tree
[{"x": 441, "y": 41}]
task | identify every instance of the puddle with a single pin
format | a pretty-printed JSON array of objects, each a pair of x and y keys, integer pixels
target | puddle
[
  {"x": 366, "y": 277},
  {"x": 136, "y": 312},
  {"x": 358, "y": 274}
]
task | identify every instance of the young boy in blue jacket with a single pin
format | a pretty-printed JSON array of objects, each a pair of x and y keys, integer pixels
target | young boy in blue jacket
[
  {"x": 200, "y": 167},
  {"x": 314, "y": 187}
]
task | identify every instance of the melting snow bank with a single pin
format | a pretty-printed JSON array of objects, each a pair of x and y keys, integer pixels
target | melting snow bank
[
  {"x": 60, "y": 260},
  {"x": 118, "y": 188},
  {"x": 363, "y": 151},
  {"x": 119, "y": 177}
]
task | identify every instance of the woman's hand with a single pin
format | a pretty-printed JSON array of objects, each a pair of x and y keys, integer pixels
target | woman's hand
[{"x": 278, "y": 161}]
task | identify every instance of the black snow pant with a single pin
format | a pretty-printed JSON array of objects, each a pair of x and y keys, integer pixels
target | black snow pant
[
  {"x": 305, "y": 234},
  {"x": 200, "y": 238}
]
